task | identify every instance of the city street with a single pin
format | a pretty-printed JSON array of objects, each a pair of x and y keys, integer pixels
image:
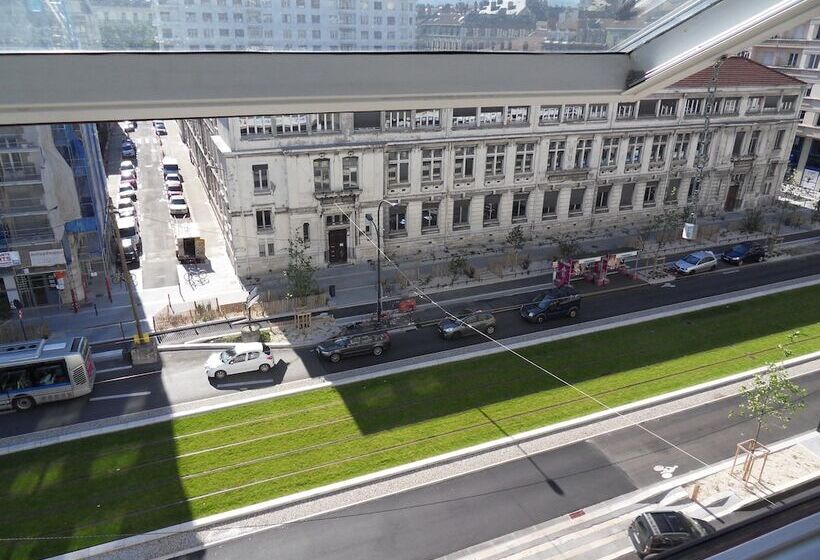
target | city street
[
  {"x": 121, "y": 388},
  {"x": 444, "y": 517}
]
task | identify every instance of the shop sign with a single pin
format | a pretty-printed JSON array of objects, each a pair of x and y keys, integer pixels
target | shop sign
[
  {"x": 47, "y": 258},
  {"x": 59, "y": 280},
  {"x": 9, "y": 258}
]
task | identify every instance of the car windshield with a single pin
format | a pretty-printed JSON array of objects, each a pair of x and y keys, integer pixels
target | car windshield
[
  {"x": 544, "y": 302},
  {"x": 227, "y": 355},
  {"x": 739, "y": 248},
  {"x": 128, "y": 232},
  {"x": 691, "y": 259},
  {"x": 177, "y": 200},
  {"x": 343, "y": 341}
]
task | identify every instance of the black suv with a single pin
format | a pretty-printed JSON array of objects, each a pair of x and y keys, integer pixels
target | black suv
[
  {"x": 657, "y": 531},
  {"x": 552, "y": 303},
  {"x": 744, "y": 253},
  {"x": 354, "y": 344}
]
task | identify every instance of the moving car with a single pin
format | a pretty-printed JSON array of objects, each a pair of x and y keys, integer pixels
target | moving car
[
  {"x": 242, "y": 358},
  {"x": 356, "y": 344},
  {"x": 744, "y": 253},
  {"x": 177, "y": 206},
  {"x": 159, "y": 128},
  {"x": 698, "y": 261},
  {"x": 129, "y": 149},
  {"x": 657, "y": 531},
  {"x": 467, "y": 323},
  {"x": 555, "y": 302},
  {"x": 125, "y": 207}
]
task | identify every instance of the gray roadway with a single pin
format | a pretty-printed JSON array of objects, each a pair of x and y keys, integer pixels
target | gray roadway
[
  {"x": 180, "y": 377},
  {"x": 445, "y": 517}
]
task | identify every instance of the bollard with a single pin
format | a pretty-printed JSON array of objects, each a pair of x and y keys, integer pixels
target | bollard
[
  {"x": 693, "y": 494},
  {"x": 95, "y": 310}
]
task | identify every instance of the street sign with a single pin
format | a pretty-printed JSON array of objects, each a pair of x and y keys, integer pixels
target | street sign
[
  {"x": 254, "y": 293},
  {"x": 251, "y": 301}
]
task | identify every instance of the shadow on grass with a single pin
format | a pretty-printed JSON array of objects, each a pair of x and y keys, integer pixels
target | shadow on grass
[
  {"x": 75, "y": 495},
  {"x": 435, "y": 392}
]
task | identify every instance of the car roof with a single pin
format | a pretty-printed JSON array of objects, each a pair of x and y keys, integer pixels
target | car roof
[
  {"x": 126, "y": 222},
  {"x": 701, "y": 254},
  {"x": 168, "y": 160},
  {"x": 662, "y": 522},
  {"x": 248, "y": 347}
]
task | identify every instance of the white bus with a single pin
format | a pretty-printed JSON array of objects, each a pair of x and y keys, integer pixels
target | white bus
[{"x": 41, "y": 371}]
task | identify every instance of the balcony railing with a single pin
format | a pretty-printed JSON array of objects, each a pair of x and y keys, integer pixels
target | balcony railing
[{"x": 27, "y": 172}]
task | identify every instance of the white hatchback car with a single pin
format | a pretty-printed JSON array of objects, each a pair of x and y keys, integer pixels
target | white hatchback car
[{"x": 242, "y": 358}]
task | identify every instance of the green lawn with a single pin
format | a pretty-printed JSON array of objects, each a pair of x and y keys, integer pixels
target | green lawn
[{"x": 98, "y": 489}]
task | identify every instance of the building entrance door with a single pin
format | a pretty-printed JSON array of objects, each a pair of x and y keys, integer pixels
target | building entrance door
[
  {"x": 731, "y": 198},
  {"x": 337, "y": 246}
]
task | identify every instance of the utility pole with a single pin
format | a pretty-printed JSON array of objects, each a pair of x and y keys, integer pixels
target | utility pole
[{"x": 126, "y": 272}]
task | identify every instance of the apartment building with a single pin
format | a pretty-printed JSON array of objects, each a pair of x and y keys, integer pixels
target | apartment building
[
  {"x": 797, "y": 53},
  {"x": 52, "y": 213},
  {"x": 461, "y": 175},
  {"x": 303, "y": 25}
]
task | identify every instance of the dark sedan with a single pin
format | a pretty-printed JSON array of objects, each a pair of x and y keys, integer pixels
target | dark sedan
[
  {"x": 467, "y": 323},
  {"x": 335, "y": 349},
  {"x": 552, "y": 303},
  {"x": 744, "y": 253}
]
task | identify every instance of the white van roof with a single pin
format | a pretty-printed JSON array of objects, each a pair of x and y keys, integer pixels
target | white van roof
[
  {"x": 128, "y": 222},
  {"x": 168, "y": 161}
]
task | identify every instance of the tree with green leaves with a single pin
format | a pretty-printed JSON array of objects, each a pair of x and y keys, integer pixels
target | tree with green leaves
[
  {"x": 772, "y": 397},
  {"x": 515, "y": 239},
  {"x": 300, "y": 271},
  {"x": 457, "y": 266}
]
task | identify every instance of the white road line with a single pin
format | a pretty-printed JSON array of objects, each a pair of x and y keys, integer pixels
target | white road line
[
  {"x": 731, "y": 271},
  {"x": 118, "y": 368},
  {"x": 243, "y": 383},
  {"x": 126, "y": 377},
  {"x": 124, "y": 396}
]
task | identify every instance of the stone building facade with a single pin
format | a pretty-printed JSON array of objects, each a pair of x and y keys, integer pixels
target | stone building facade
[{"x": 461, "y": 175}]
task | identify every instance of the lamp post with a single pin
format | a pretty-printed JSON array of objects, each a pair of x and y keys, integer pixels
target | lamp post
[{"x": 378, "y": 225}]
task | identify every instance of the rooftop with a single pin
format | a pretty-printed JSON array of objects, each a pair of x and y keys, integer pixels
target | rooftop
[{"x": 739, "y": 72}]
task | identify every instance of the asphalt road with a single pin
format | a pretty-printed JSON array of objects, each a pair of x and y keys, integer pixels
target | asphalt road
[
  {"x": 121, "y": 388},
  {"x": 448, "y": 516}
]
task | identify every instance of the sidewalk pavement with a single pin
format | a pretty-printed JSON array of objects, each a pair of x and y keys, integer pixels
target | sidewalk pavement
[{"x": 599, "y": 532}]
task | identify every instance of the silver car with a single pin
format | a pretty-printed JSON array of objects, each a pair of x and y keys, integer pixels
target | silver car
[
  {"x": 467, "y": 323},
  {"x": 698, "y": 261}
]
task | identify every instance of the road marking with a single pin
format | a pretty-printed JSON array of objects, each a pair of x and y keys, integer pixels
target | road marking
[
  {"x": 123, "y": 396},
  {"x": 108, "y": 370},
  {"x": 731, "y": 271},
  {"x": 126, "y": 377},
  {"x": 242, "y": 383},
  {"x": 665, "y": 472}
]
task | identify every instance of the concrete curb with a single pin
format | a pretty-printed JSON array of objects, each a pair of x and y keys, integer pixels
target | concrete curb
[{"x": 78, "y": 431}]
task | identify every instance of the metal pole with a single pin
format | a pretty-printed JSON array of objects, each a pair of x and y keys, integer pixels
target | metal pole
[
  {"x": 379, "y": 263},
  {"x": 126, "y": 272}
]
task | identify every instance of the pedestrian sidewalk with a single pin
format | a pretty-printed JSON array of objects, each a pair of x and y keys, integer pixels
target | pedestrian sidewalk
[{"x": 599, "y": 532}]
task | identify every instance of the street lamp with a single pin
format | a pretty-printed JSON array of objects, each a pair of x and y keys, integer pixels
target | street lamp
[{"x": 378, "y": 225}]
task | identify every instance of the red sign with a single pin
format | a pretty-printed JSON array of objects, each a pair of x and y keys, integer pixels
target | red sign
[{"x": 563, "y": 274}]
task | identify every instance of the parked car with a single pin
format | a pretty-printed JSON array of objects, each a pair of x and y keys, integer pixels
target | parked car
[
  {"x": 129, "y": 176},
  {"x": 127, "y": 165},
  {"x": 129, "y": 229},
  {"x": 744, "y": 253},
  {"x": 657, "y": 531},
  {"x": 242, "y": 358},
  {"x": 555, "y": 302},
  {"x": 173, "y": 176},
  {"x": 128, "y": 126},
  {"x": 467, "y": 323},
  {"x": 365, "y": 343},
  {"x": 173, "y": 189},
  {"x": 129, "y": 149},
  {"x": 698, "y": 261},
  {"x": 126, "y": 207},
  {"x": 128, "y": 191},
  {"x": 177, "y": 206},
  {"x": 159, "y": 128},
  {"x": 130, "y": 250}
]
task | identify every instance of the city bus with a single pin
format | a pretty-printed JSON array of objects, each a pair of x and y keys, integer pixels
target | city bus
[{"x": 36, "y": 372}]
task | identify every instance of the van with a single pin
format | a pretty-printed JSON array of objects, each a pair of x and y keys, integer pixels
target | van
[{"x": 169, "y": 165}]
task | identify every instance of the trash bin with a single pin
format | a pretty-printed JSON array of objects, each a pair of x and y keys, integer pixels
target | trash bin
[{"x": 332, "y": 290}]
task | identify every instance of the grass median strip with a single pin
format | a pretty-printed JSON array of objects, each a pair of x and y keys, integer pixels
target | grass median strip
[{"x": 70, "y": 496}]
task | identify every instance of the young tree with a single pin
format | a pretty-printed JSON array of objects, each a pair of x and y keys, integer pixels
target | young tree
[
  {"x": 457, "y": 266},
  {"x": 515, "y": 239},
  {"x": 300, "y": 271},
  {"x": 568, "y": 245},
  {"x": 772, "y": 396}
]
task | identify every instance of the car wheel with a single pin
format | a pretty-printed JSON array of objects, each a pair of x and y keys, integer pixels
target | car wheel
[
  {"x": 539, "y": 319},
  {"x": 490, "y": 329},
  {"x": 23, "y": 403},
  {"x": 573, "y": 313},
  {"x": 378, "y": 350},
  {"x": 264, "y": 368},
  {"x": 335, "y": 358},
  {"x": 714, "y": 266},
  {"x": 220, "y": 374},
  {"x": 760, "y": 258}
]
